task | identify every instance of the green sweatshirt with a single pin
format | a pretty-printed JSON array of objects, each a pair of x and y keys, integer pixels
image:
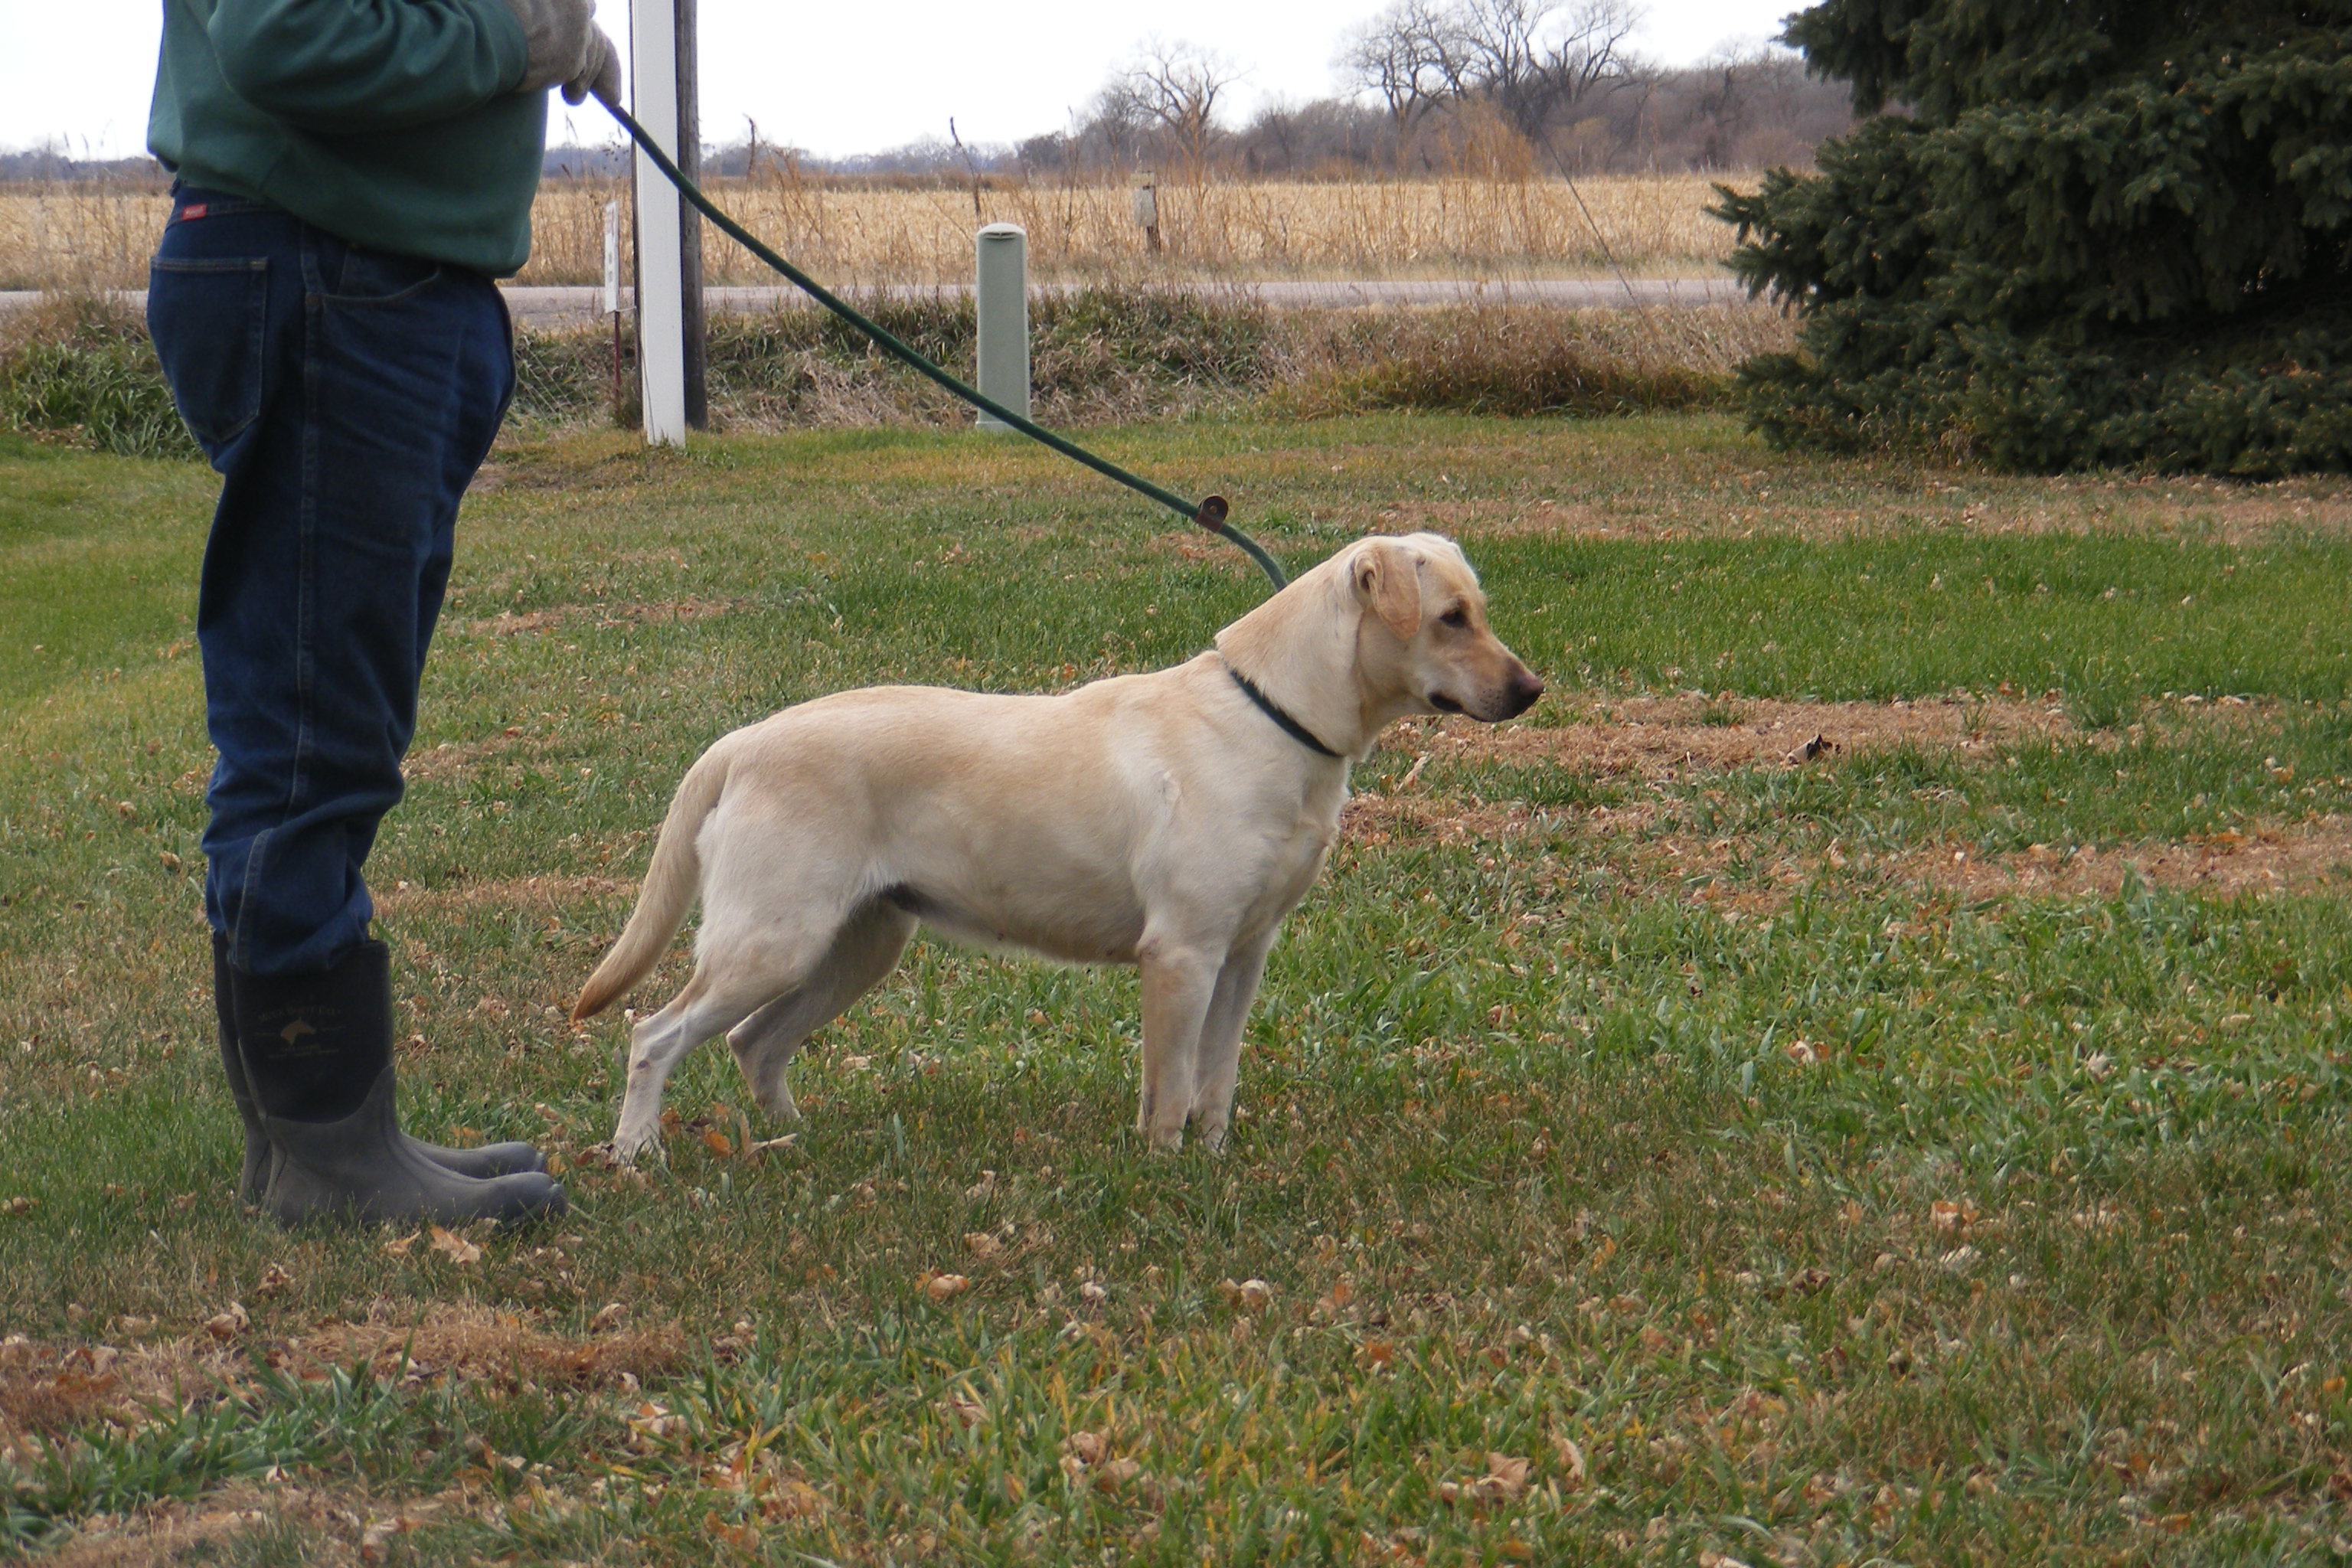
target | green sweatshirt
[{"x": 391, "y": 124}]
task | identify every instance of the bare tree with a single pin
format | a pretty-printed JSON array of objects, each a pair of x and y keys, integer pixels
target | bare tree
[
  {"x": 1175, "y": 87},
  {"x": 1532, "y": 60},
  {"x": 1410, "y": 55}
]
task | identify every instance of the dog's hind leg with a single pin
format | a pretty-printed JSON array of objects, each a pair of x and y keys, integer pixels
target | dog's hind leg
[
  {"x": 734, "y": 977},
  {"x": 864, "y": 950},
  {"x": 1218, "y": 1062}
]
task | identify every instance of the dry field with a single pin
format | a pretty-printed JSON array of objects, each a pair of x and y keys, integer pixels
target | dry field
[{"x": 98, "y": 237}]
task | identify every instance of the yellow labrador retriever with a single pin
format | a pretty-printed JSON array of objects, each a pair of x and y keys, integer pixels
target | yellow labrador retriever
[{"x": 1168, "y": 820}]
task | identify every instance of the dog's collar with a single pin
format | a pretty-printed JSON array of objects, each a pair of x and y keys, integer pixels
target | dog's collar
[{"x": 1290, "y": 726}]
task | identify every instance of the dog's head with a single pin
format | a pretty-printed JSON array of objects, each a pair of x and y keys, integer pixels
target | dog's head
[{"x": 1423, "y": 634}]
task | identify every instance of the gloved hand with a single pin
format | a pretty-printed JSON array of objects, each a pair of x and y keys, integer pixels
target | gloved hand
[{"x": 568, "y": 47}]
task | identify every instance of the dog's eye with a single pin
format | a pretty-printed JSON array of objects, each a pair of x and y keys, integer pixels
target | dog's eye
[{"x": 1456, "y": 617}]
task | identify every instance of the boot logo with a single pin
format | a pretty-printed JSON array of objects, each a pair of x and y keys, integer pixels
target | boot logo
[{"x": 292, "y": 1032}]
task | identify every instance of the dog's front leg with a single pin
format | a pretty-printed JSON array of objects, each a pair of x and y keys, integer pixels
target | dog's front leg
[
  {"x": 1218, "y": 1063},
  {"x": 1178, "y": 984}
]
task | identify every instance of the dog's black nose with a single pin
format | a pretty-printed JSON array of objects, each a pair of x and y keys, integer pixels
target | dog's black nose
[{"x": 1526, "y": 687}]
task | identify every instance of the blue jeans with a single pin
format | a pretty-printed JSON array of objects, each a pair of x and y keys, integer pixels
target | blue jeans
[{"x": 346, "y": 397}]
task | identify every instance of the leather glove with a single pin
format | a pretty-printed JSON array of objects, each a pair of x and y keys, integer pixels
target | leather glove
[{"x": 567, "y": 48}]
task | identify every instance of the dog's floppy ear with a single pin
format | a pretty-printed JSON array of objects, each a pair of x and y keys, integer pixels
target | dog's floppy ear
[{"x": 1388, "y": 583}]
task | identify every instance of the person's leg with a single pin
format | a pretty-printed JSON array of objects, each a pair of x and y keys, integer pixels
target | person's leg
[{"x": 346, "y": 399}]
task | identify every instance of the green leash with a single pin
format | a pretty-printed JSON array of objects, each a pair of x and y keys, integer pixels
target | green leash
[{"x": 1210, "y": 513}]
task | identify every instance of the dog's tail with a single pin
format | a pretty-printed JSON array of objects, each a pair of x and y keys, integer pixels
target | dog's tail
[{"x": 670, "y": 884}]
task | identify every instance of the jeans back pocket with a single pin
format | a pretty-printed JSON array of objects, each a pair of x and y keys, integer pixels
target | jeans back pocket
[{"x": 208, "y": 316}]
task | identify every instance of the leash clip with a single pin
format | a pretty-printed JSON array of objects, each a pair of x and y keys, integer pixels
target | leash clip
[{"x": 1211, "y": 515}]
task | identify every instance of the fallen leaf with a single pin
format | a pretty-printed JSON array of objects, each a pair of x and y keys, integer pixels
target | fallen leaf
[
  {"x": 276, "y": 1281},
  {"x": 718, "y": 1142},
  {"x": 1802, "y": 1052},
  {"x": 1248, "y": 1296},
  {"x": 1379, "y": 1353},
  {"x": 399, "y": 1247},
  {"x": 1509, "y": 1472},
  {"x": 966, "y": 1411},
  {"x": 984, "y": 1244},
  {"x": 1115, "y": 1473},
  {"x": 20, "y": 1205},
  {"x": 608, "y": 1318},
  {"x": 1818, "y": 747},
  {"x": 455, "y": 1247},
  {"x": 1094, "y": 1293},
  {"x": 794, "y": 1499},
  {"x": 1572, "y": 1468},
  {"x": 743, "y": 1537},
  {"x": 227, "y": 1324},
  {"x": 944, "y": 1286},
  {"x": 1089, "y": 1446},
  {"x": 375, "y": 1539},
  {"x": 982, "y": 1187}
]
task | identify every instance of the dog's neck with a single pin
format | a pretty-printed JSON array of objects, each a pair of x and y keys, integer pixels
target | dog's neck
[{"x": 1299, "y": 649}]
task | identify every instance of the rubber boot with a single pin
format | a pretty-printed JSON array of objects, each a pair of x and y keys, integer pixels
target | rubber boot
[
  {"x": 256, "y": 1176},
  {"x": 317, "y": 1054},
  {"x": 490, "y": 1160}
]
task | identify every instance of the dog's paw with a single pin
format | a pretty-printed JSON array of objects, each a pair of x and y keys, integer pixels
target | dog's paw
[{"x": 624, "y": 1150}]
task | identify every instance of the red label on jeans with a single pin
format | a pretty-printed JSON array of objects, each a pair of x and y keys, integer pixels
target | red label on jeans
[{"x": 194, "y": 209}]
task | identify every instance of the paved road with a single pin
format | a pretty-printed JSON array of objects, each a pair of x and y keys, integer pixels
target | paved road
[{"x": 551, "y": 307}]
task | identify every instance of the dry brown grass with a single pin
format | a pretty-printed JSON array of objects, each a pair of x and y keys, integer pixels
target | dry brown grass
[
  {"x": 1422, "y": 228},
  {"x": 80, "y": 235},
  {"x": 1509, "y": 359},
  {"x": 1652, "y": 740},
  {"x": 99, "y": 235}
]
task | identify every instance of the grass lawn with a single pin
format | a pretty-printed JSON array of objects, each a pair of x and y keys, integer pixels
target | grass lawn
[{"x": 1652, "y": 1149}]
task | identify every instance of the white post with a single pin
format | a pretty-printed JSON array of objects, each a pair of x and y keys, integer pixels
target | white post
[
  {"x": 613, "y": 292},
  {"x": 1003, "y": 301},
  {"x": 613, "y": 258},
  {"x": 661, "y": 322}
]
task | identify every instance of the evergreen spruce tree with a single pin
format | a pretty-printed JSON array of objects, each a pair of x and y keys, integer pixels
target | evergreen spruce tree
[{"x": 2090, "y": 232}]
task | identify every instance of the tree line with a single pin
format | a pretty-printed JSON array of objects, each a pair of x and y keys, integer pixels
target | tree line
[
  {"x": 1498, "y": 86},
  {"x": 1504, "y": 88}
]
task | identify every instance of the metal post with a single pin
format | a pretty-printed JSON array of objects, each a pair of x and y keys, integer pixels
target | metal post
[
  {"x": 1002, "y": 301},
  {"x": 653, "y": 87},
  {"x": 690, "y": 235},
  {"x": 613, "y": 293}
]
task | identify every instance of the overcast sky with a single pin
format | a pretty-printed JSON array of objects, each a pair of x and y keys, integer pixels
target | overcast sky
[{"x": 833, "y": 78}]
